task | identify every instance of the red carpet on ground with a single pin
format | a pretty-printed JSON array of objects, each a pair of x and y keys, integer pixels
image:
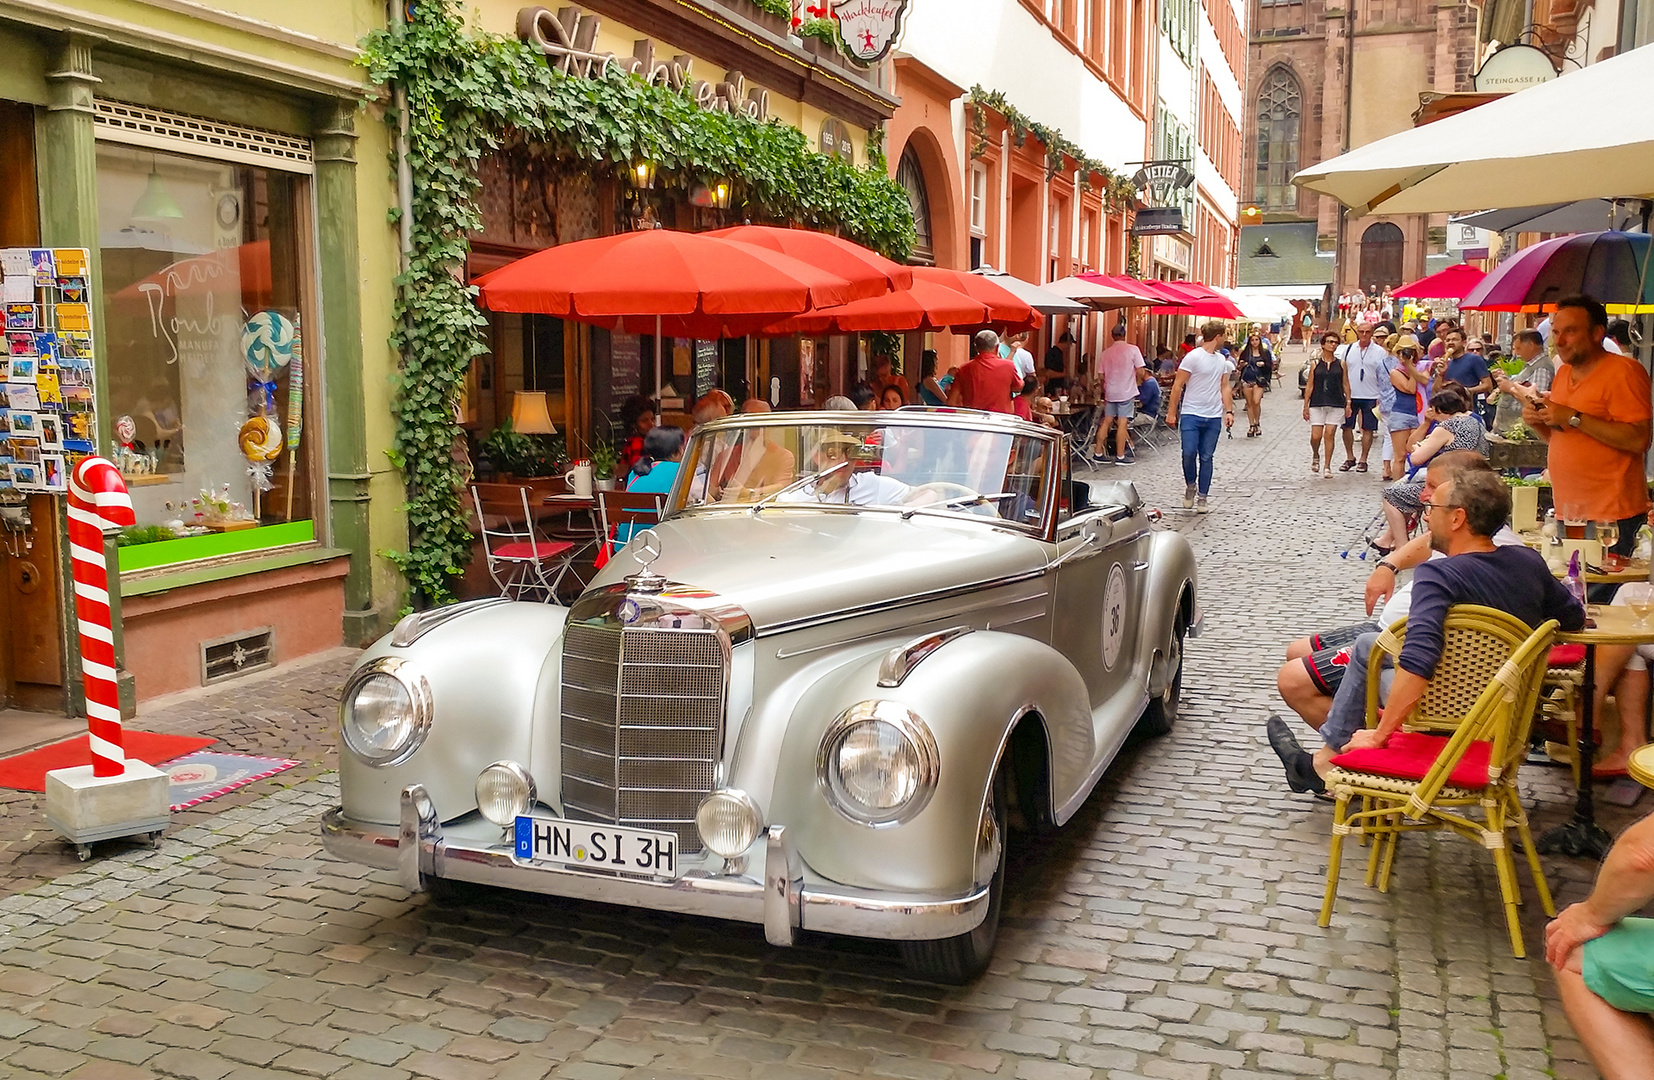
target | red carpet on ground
[{"x": 27, "y": 772}]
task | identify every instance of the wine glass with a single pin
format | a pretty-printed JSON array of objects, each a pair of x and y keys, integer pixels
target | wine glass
[
  {"x": 1639, "y": 597},
  {"x": 1608, "y": 534}
]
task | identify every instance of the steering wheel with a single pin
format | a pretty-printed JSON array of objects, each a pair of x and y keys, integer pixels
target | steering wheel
[{"x": 943, "y": 490}]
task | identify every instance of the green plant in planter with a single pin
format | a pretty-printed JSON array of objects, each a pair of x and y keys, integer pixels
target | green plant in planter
[
  {"x": 143, "y": 534},
  {"x": 779, "y": 8},
  {"x": 523, "y": 455},
  {"x": 603, "y": 462},
  {"x": 823, "y": 30}
]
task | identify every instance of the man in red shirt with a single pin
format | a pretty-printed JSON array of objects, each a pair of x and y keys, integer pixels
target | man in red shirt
[{"x": 986, "y": 381}]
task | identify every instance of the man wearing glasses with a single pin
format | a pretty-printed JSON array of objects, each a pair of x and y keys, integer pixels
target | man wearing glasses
[{"x": 1462, "y": 514}]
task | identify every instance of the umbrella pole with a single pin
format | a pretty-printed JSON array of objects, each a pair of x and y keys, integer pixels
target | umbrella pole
[{"x": 657, "y": 358}]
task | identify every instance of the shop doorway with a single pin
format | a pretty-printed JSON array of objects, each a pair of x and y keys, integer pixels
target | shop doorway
[
  {"x": 32, "y": 659},
  {"x": 1381, "y": 255}
]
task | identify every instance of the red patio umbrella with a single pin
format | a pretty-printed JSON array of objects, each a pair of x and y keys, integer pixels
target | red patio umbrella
[
  {"x": 834, "y": 254},
  {"x": 1004, "y": 307},
  {"x": 1454, "y": 283},
  {"x": 926, "y": 306},
  {"x": 1194, "y": 298},
  {"x": 664, "y": 273}
]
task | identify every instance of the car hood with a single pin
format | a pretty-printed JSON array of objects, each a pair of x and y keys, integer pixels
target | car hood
[{"x": 782, "y": 566}]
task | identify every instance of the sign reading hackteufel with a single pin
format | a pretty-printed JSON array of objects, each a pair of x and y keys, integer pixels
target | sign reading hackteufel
[
  {"x": 869, "y": 27},
  {"x": 568, "y": 41}
]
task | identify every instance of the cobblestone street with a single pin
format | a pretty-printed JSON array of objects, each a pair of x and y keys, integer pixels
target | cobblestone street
[{"x": 1169, "y": 931}]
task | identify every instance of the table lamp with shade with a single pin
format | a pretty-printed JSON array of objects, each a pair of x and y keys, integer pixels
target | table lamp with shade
[{"x": 529, "y": 413}]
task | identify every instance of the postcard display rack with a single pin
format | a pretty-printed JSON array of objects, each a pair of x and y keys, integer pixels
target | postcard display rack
[{"x": 48, "y": 419}]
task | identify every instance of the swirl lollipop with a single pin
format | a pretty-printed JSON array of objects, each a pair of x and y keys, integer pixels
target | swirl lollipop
[{"x": 266, "y": 347}]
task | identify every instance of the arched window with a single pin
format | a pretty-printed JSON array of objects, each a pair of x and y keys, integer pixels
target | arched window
[
  {"x": 1381, "y": 250},
  {"x": 1280, "y": 116},
  {"x": 912, "y": 178}
]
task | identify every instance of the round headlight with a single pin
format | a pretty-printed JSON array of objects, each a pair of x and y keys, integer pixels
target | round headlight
[
  {"x": 878, "y": 763},
  {"x": 728, "y": 821},
  {"x": 504, "y": 790},
  {"x": 385, "y": 711}
]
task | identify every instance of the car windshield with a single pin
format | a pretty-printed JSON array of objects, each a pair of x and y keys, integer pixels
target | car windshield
[{"x": 877, "y": 464}]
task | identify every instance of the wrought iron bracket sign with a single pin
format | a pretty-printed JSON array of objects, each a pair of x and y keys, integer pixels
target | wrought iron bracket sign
[
  {"x": 869, "y": 27},
  {"x": 1160, "y": 182}
]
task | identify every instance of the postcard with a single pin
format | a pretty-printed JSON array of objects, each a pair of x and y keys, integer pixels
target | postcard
[
  {"x": 5, "y": 368},
  {"x": 5, "y": 398},
  {"x": 23, "y": 395},
  {"x": 54, "y": 472},
  {"x": 71, "y": 262},
  {"x": 5, "y": 473},
  {"x": 75, "y": 346},
  {"x": 79, "y": 430},
  {"x": 27, "y": 476},
  {"x": 24, "y": 449},
  {"x": 14, "y": 262},
  {"x": 74, "y": 318},
  {"x": 23, "y": 369},
  {"x": 51, "y": 431},
  {"x": 5, "y": 421},
  {"x": 46, "y": 384},
  {"x": 26, "y": 423},
  {"x": 17, "y": 289},
  {"x": 45, "y": 345},
  {"x": 71, "y": 288},
  {"x": 20, "y": 316},
  {"x": 43, "y": 266},
  {"x": 20, "y": 343}
]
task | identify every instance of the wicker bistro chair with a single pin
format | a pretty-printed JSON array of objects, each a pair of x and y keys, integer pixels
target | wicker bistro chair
[
  {"x": 518, "y": 560},
  {"x": 1460, "y": 750},
  {"x": 634, "y": 509}
]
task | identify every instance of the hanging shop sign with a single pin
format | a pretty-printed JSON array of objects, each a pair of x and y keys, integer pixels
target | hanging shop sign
[
  {"x": 869, "y": 27},
  {"x": 1512, "y": 68},
  {"x": 1161, "y": 183},
  {"x": 1157, "y": 220},
  {"x": 568, "y": 41}
]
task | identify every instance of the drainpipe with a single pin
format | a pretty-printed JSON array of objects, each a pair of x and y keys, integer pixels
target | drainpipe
[
  {"x": 404, "y": 170},
  {"x": 1344, "y": 147}
]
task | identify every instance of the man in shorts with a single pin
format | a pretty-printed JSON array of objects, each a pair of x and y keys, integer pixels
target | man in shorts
[
  {"x": 1604, "y": 960},
  {"x": 1122, "y": 371},
  {"x": 1367, "y": 364}
]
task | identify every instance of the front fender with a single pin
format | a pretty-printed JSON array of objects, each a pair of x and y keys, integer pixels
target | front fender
[
  {"x": 970, "y": 693},
  {"x": 493, "y": 673},
  {"x": 1172, "y": 582}
]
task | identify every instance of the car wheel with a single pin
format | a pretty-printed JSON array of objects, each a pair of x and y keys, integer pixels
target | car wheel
[
  {"x": 963, "y": 957},
  {"x": 1162, "y": 711}
]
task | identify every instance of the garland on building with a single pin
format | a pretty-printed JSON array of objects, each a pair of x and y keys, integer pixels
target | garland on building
[
  {"x": 1118, "y": 190},
  {"x": 470, "y": 92}
]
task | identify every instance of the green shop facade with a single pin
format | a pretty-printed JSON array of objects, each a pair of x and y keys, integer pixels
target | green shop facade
[{"x": 239, "y": 288}]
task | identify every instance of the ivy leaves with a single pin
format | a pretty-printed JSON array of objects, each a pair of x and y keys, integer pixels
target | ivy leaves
[
  {"x": 1117, "y": 189},
  {"x": 470, "y": 92}
]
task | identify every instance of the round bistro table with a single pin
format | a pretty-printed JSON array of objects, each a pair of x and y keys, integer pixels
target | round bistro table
[{"x": 1613, "y": 626}]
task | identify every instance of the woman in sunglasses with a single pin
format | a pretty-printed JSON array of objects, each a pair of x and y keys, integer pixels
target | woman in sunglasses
[{"x": 1409, "y": 379}]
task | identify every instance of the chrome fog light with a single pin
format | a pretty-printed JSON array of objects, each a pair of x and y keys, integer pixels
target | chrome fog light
[
  {"x": 729, "y": 822},
  {"x": 385, "y": 711},
  {"x": 504, "y": 790},
  {"x": 878, "y": 763}
]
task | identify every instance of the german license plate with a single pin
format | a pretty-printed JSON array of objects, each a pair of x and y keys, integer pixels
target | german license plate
[{"x": 554, "y": 841}]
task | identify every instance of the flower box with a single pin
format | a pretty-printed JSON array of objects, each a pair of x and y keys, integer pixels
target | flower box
[{"x": 775, "y": 24}]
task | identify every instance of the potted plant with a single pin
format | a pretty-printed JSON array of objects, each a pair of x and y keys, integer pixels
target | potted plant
[
  {"x": 523, "y": 457},
  {"x": 603, "y": 467},
  {"x": 771, "y": 15},
  {"x": 821, "y": 38}
]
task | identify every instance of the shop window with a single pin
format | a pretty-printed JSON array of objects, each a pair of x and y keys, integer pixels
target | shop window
[
  {"x": 911, "y": 176},
  {"x": 212, "y": 350}
]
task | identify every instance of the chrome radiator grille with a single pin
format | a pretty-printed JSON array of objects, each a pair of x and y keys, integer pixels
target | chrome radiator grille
[{"x": 643, "y": 715}]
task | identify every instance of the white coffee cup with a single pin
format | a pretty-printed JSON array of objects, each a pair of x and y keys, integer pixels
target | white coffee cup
[{"x": 579, "y": 479}]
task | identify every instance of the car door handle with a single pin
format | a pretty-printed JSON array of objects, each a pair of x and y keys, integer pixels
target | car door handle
[
  {"x": 1087, "y": 546},
  {"x": 1139, "y": 566}
]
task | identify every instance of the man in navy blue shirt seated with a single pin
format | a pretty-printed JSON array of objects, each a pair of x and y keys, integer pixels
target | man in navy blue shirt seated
[{"x": 1463, "y": 515}]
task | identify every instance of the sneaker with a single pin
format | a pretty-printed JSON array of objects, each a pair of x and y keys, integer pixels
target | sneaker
[
  {"x": 1200, "y": 505},
  {"x": 1129, "y": 458},
  {"x": 1299, "y": 764},
  {"x": 1189, "y": 497}
]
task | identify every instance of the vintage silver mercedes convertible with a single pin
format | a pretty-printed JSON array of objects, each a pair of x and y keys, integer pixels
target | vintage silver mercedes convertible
[{"x": 856, "y": 650}]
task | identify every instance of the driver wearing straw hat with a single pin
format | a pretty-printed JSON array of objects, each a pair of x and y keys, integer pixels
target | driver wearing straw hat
[{"x": 842, "y": 479}]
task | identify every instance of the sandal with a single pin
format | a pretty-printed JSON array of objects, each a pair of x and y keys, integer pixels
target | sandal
[
  {"x": 1362, "y": 467},
  {"x": 1347, "y": 466}
]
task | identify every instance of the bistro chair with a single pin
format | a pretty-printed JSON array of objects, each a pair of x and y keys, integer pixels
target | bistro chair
[
  {"x": 635, "y": 510},
  {"x": 518, "y": 560},
  {"x": 1458, "y": 752}
]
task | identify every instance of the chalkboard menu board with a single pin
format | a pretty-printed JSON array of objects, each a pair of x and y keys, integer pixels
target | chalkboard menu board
[
  {"x": 706, "y": 366},
  {"x": 625, "y": 360}
]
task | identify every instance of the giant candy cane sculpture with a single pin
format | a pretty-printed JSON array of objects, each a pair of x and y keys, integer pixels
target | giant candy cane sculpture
[{"x": 97, "y": 499}]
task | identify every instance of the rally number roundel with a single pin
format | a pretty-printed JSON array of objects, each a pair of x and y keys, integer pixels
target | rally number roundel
[{"x": 1114, "y": 615}]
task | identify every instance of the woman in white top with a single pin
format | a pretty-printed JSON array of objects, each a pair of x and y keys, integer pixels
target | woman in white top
[{"x": 1199, "y": 406}]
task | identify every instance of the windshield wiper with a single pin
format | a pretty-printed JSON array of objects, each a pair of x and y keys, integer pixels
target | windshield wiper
[
  {"x": 801, "y": 482},
  {"x": 962, "y": 501}
]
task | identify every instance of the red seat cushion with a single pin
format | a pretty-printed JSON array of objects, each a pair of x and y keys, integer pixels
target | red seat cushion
[
  {"x": 1566, "y": 656},
  {"x": 1409, "y": 755},
  {"x": 522, "y": 549}
]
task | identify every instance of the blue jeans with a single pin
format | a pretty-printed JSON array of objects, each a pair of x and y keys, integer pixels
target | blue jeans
[
  {"x": 1200, "y": 440},
  {"x": 1348, "y": 712}
]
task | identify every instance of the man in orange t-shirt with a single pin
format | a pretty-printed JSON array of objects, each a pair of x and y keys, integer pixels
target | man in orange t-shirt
[
  {"x": 986, "y": 381},
  {"x": 1596, "y": 419}
]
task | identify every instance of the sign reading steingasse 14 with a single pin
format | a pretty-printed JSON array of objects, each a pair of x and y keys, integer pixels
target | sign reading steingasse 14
[{"x": 568, "y": 40}]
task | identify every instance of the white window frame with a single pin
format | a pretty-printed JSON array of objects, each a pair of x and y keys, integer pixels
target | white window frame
[{"x": 979, "y": 199}]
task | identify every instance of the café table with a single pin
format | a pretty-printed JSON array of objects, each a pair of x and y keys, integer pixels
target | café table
[
  {"x": 1641, "y": 766},
  {"x": 1609, "y": 625},
  {"x": 569, "y": 505},
  {"x": 1633, "y": 570}
]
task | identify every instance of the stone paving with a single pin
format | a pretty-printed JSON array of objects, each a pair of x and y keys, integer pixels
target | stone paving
[{"x": 1167, "y": 932}]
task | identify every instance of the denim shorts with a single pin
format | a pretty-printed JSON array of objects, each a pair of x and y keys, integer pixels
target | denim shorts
[
  {"x": 1126, "y": 408},
  {"x": 1364, "y": 411}
]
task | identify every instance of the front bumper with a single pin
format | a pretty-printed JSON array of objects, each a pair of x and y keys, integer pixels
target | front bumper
[{"x": 785, "y": 901}]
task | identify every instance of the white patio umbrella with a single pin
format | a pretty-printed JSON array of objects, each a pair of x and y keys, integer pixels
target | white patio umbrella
[
  {"x": 1035, "y": 296},
  {"x": 1585, "y": 135},
  {"x": 1095, "y": 295}
]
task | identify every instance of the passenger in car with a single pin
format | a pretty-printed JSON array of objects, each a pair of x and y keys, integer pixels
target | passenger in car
[
  {"x": 758, "y": 466},
  {"x": 839, "y": 481}
]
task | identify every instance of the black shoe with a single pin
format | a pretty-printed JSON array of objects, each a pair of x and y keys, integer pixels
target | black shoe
[{"x": 1300, "y": 765}]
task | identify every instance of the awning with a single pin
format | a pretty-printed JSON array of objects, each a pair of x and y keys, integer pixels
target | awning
[
  {"x": 1587, "y": 215},
  {"x": 1263, "y": 309},
  {"x": 1585, "y": 135},
  {"x": 1308, "y": 291}
]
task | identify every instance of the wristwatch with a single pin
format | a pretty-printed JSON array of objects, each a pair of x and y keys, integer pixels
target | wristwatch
[
  {"x": 1575, "y": 420},
  {"x": 1390, "y": 566}
]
